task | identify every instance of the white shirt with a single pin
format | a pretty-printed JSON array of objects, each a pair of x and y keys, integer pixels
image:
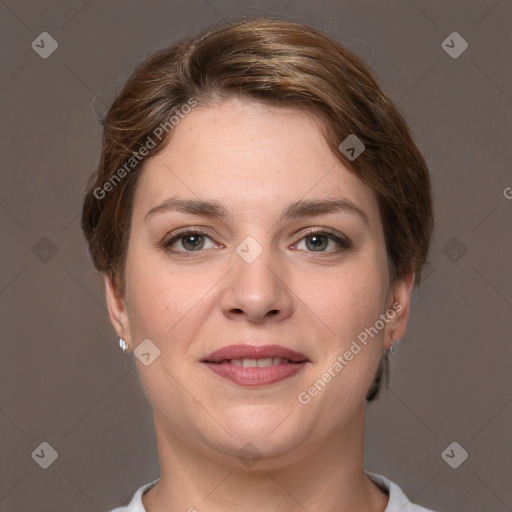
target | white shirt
[{"x": 398, "y": 501}]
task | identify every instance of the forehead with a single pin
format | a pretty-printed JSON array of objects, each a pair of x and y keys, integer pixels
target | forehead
[{"x": 248, "y": 154}]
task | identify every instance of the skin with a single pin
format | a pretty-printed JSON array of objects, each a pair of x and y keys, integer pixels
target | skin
[{"x": 314, "y": 300}]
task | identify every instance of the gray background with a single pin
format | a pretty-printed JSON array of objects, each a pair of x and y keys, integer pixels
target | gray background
[{"x": 63, "y": 379}]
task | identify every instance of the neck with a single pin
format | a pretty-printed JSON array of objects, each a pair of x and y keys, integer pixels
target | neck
[{"x": 327, "y": 476}]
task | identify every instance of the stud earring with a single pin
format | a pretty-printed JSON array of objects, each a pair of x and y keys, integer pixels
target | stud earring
[
  {"x": 123, "y": 345},
  {"x": 392, "y": 346}
]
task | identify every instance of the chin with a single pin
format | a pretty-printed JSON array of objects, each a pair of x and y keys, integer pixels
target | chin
[
  {"x": 256, "y": 454},
  {"x": 257, "y": 420},
  {"x": 258, "y": 432}
]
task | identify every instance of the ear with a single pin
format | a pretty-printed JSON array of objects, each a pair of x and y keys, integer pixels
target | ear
[
  {"x": 399, "y": 302},
  {"x": 117, "y": 310}
]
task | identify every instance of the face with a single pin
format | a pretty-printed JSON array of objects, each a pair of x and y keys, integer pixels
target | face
[{"x": 266, "y": 263}]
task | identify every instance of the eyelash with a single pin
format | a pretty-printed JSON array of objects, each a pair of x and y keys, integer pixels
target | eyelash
[{"x": 343, "y": 243}]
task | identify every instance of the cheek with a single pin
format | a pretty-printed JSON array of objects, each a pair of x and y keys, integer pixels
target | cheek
[
  {"x": 163, "y": 303},
  {"x": 153, "y": 303},
  {"x": 165, "y": 308},
  {"x": 350, "y": 305},
  {"x": 348, "y": 301}
]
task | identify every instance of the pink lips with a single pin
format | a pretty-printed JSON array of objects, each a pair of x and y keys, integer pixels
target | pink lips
[{"x": 220, "y": 362}]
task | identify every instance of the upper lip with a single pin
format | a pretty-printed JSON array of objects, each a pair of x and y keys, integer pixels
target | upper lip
[{"x": 254, "y": 352}]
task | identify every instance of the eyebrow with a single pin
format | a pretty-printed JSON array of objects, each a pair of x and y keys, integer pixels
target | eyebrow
[{"x": 298, "y": 209}]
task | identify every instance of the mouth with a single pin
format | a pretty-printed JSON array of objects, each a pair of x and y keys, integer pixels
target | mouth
[{"x": 255, "y": 366}]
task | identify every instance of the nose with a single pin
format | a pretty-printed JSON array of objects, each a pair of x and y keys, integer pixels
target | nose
[{"x": 256, "y": 289}]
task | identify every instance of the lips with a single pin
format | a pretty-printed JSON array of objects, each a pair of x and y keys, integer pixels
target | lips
[
  {"x": 254, "y": 352},
  {"x": 255, "y": 366}
]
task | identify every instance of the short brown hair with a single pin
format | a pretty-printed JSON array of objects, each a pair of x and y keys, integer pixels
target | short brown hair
[{"x": 281, "y": 63}]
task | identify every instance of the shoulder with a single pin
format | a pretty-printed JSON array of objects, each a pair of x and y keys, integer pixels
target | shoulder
[
  {"x": 398, "y": 501},
  {"x": 135, "y": 504}
]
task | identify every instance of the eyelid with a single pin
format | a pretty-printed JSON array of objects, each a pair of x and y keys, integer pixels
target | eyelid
[
  {"x": 326, "y": 231},
  {"x": 181, "y": 232},
  {"x": 341, "y": 239}
]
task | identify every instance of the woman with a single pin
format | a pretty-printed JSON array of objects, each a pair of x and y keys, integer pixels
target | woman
[{"x": 261, "y": 214}]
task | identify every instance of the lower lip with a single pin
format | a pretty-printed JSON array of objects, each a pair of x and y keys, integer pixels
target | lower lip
[{"x": 256, "y": 376}]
